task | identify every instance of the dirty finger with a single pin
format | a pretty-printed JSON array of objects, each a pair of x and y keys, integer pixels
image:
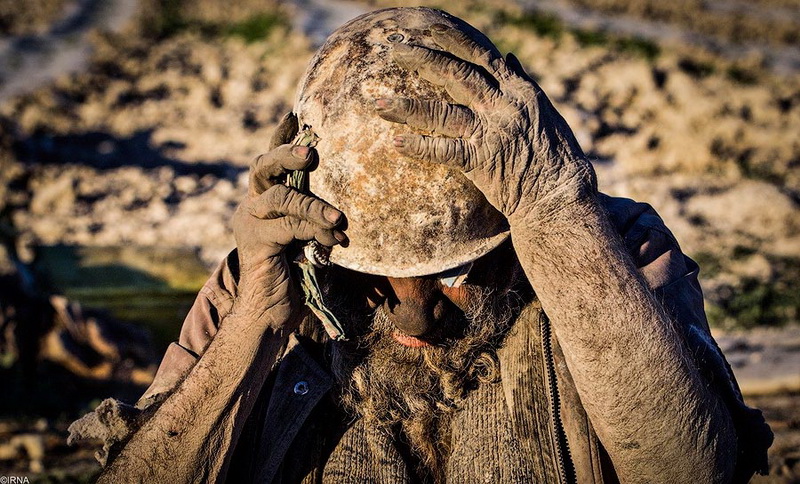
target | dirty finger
[
  {"x": 466, "y": 83},
  {"x": 270, "y": 168},
  {"x": 437, "y": 117},
  {"x": 285, "y": 131},
  {"x": 280, "y": 201},
  {"x": 461, "y": 45},
  {"x": 453, "y": 152},
  {"x": 304, "y": 230}
]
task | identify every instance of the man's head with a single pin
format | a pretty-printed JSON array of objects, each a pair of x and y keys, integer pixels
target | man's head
[
  {"x": 410, "y": 221},
  {"x": 406, "y": 217},
  {"x": 412, "y": 385}
]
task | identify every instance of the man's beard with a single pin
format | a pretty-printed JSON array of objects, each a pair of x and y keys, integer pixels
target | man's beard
[{"x": 413, "y": 392}]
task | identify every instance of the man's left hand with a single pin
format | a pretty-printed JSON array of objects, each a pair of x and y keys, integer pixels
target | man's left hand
[{"x": 503, "y": 133}]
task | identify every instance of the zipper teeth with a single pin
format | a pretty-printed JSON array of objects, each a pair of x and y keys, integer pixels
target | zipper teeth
[{"x": 561, "y": 445}]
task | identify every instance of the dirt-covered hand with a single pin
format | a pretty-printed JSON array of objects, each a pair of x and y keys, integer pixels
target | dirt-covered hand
[
  {"x": 268, "y": 220},
  {"x": 503, "y": 133}
]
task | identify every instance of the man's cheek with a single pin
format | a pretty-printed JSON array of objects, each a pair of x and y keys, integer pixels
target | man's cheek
[{"x": 463, "y": 297}]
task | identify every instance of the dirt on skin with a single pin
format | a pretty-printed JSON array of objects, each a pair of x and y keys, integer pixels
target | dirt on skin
[
  {"x": 708, "y": 142},
  {"x": 150, "y": 146},
  {"x": 37, "y": 447}
]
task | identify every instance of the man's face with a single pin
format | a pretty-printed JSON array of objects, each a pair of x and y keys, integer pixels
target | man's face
[{"x": 418, "y": 307}]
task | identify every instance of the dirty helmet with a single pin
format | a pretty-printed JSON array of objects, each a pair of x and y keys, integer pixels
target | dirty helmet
[{"x": 406, "y": 217}]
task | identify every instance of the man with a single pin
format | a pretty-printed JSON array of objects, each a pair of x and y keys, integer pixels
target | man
[{"x": 575, "y": 351}]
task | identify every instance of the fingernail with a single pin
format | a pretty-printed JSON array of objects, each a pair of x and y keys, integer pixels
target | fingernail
[
  {"x": 331, "y": 214},
  {"x": 440, "y": 28},
  {"x": 300, "y": 152},
  {"x": 384, "y": 103},
  {"x": 340, "y": 236},
  {"x": 399, "y": 141}
]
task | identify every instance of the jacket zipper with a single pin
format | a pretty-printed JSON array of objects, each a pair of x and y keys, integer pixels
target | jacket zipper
[{"x": 565, "y": 466}]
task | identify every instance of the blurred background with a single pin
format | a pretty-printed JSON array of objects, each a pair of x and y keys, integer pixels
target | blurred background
[{"x": 127, "y": 126}]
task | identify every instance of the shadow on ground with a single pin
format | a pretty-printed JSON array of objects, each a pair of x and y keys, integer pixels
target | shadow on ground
[{"x": 103, "y": 151}]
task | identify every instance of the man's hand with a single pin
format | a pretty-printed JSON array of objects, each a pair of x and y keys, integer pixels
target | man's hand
[
  {"x": 192, "y": 435},
  {"x": 268, "y": 220},
  {"x": 504, "y": 133}
]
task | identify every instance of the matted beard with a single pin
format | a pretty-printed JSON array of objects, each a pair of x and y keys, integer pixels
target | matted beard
[{"x": 414, "y": 391}]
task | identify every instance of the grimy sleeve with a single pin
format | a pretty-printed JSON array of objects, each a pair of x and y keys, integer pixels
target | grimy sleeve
[
  {"x": 673, "y": 277},
  {"x": 114, "y": 421}
]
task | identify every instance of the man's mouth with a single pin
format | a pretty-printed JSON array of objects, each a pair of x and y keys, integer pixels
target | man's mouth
[{"x": 409, "y": 341}]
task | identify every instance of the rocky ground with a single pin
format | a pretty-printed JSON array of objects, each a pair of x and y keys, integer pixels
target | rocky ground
[
  {"x": 32, "y": 17},
  {"x": 149, "y": 147}
]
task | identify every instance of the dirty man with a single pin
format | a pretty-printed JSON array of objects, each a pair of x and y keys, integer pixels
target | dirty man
[{"x": 469, "y": 307}]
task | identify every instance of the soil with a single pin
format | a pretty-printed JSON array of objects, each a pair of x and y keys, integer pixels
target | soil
[{"x": 782, "y": 415}]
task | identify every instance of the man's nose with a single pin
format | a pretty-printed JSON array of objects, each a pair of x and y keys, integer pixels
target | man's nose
[{"x": 416, "y": 306}]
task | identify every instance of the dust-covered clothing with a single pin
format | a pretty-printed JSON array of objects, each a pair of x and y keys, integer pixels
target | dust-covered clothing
[{"x": 528, "y": 427}]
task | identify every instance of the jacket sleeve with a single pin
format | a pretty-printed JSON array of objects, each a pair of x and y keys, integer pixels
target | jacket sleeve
[
  {"x": 212, "y": 304},
  {"x": 114, "y": 422},
  {"x": 673, "y": 277}
]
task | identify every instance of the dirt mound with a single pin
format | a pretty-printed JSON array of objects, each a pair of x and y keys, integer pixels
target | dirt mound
[{"x": 152, "y": 144}]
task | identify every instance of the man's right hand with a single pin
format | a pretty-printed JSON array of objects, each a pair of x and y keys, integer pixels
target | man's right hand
[{"x": 268, "y": 220}]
